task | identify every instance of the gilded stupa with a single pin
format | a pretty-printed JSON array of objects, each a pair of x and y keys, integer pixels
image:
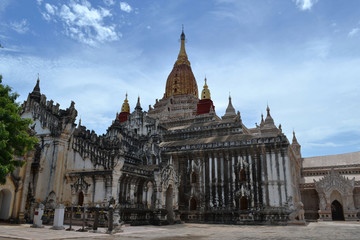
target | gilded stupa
[
  {"x": 181, "y": 80},
  {"x": 181, "y": 92}
]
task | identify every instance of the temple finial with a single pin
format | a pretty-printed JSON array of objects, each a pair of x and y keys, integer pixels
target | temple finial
[
  {"x": 182, "y": 57},
  {"x": 205, "y": 94},
  {"x": 125, "y": 107},
  {"x": 138, "y": 105}
]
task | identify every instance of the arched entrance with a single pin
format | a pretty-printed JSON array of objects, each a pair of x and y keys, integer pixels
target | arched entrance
[
  {"x": 169, "y": 204},
  {"x": 192, "y": 204},
  {"x": 5, "y": 202},
  {"x": 337, "y": 212},
  {"x": 243, "y": 203}
]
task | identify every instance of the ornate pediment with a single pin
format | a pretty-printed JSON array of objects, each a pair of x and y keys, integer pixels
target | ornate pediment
[
  {"x": 334, "y": 181},
  {"x": 80, "y": 186},
  {"x": 169, "y": 176}
]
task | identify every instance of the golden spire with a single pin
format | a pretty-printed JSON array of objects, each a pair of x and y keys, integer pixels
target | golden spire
[
  {"x": 205, "y": 94},
  {"x": 125, "y": 107},
  {"x": 182, "y": 57}
]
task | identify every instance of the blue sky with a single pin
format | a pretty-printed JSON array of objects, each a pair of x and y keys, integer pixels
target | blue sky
[{"x": 302, "y": 57}]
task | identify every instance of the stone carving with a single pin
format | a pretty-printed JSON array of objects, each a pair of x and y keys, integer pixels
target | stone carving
[
  {"x": 80, "y": 186},
  {"x": 335, "y": 183},
  {"x": 297, "y": 212},
  {"x": 168, "y": 176}
]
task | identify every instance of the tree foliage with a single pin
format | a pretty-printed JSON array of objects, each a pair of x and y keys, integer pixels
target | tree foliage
[{"x": 14, "y": 136}]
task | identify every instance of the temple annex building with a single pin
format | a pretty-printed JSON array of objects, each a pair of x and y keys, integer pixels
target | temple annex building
[{"x": 178, "y": 161}]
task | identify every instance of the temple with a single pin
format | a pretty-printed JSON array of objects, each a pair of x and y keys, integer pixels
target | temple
[{"x": 178, "y": 162}]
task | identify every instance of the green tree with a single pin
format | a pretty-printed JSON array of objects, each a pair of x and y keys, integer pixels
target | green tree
[{"x": 14, "y": 136}]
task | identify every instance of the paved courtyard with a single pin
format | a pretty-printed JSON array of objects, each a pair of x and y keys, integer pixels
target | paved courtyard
[{"x": 322, "y": 230}]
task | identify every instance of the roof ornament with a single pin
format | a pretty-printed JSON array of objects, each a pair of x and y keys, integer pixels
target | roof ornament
[
  {"x": 35, "y": 94},
  {"x": 230, "y": 110},
  {"x": 138, "y": 105},
  {"x": 294, "y": 140},
  {"x": 125, "y": 107},
  {"x": 205, "y": 94},
  {"x": 262, "y": 120},
  {"x": 182, "y": 57}
]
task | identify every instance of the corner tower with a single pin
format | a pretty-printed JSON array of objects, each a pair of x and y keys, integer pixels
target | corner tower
[
  {"x": 181, "y": 80},
  {"x": 205, "y": 105}
]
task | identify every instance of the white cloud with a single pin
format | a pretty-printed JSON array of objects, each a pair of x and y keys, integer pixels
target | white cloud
[
  {"x": 4, "y": 4},
  {"x": 353, "y": 32},
  {"x": 50, "y": 8},
  {"x": 83, "y": 22},
  {"x": 326, "y": 145},
  {"x": 318, "y": 48},
  {"x": 124, "y": 6},
  {"x": 20, "y": 27},
  {"x": 305, "y": 4},
  {"x": 109, "y": 2},
  {"x": 39, "y": 2}
]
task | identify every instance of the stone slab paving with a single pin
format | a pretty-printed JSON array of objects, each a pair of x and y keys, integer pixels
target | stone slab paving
[{"x": 321, "y": 230}]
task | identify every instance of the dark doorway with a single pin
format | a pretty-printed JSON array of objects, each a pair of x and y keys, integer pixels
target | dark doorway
[
  {"x": 243, "y": 203},
  {"x": 80, "y": 199},
  {"x": 192, "y": 204},
  {"x": 337, "y": 212}
]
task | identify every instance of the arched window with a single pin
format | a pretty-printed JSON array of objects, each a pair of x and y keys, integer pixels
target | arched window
[
  {"x": 243, "y": 203},
  {"x": 80, "y": 199},
  {"x": 193, "y": 178},
  {"x": 242, "y": 175}
]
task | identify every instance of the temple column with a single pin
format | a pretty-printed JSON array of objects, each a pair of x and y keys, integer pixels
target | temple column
[
  {"x": 226, "y": 180},
  {"x": 216, "y": 179},
  {"x": 203, "y": 181},
  {"x": 251, "y": 180},
  {"x": 282, "y": 180},
  {"x": 132, "y": 191},
  {"x": 210, "y": 182},
  {"x": 264, "y": 187},
  {"x": 221, "y": 180},
  {"x": 270, "y": 178},
  {"x": 233, "y": 180},
  {"x": 99, "y": 189},
  {"x": 108, "y": 187}
]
